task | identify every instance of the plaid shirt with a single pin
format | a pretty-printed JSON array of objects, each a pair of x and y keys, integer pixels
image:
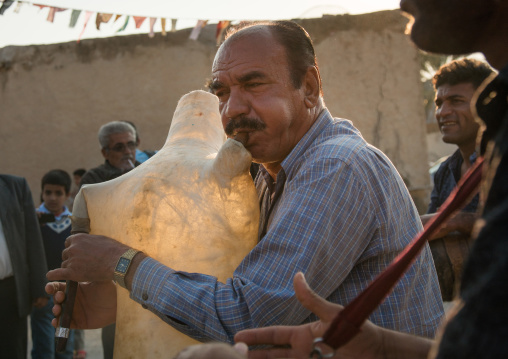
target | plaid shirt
[
  {"x": 445, "y": 180},
  {"x": 341, "y": 216}
]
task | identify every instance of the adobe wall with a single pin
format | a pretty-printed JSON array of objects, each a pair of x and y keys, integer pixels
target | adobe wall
[{"x": 53, "y": 98}]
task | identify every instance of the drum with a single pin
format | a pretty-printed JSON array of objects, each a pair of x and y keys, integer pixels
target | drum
[{"x": 192, "y": 206}]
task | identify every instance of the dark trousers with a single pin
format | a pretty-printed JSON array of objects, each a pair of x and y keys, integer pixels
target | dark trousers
[
  {"x": 108, "y": 340},
  {"x": 43, "y": 335},
  {"x": 13, "y": 329}
]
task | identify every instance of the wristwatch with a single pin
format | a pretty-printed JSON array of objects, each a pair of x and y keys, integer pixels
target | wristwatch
[{"x": 122, "y": 266}]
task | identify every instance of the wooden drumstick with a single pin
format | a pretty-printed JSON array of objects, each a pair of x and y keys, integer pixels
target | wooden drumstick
[{"x": 64, "y": 323}]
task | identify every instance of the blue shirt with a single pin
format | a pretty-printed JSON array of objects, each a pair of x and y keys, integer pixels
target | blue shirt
[
  {"x": 445, "y": 180},
  {"x": 342, "y": 216},
  {"x": 142, "y": 156}
]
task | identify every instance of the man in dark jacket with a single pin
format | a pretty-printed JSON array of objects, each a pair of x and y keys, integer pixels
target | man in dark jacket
[{"x": 22, "y": 265}]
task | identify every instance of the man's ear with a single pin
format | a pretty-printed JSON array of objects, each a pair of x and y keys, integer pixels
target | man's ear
[
  {"x": 312, "y": 87},
  {"x": 104, "y": 152}
]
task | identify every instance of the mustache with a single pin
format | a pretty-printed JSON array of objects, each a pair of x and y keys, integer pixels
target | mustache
[{"x": 243, "y": 122}]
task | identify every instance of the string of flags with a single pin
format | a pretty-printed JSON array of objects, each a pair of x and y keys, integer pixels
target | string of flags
[{"x": 105, "y": 18}]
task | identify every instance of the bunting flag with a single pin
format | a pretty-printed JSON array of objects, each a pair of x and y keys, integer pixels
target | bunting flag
[
  {"x": 5, "y": 5},
  {"x": 163, "y": 25},
  {"x": 139, "y": 20},
  {"x": 105, "y": 18},
  {"x": 152, "y": 24},
  {"x": 88, "y": 14},
  {"x": 18, "y": 7},
  {"x": 197, "y": 29},
  {"x": 52, "y": 12},
  {"x": 124, "y": 26},
  {"x": 221, "y": 27},
  {"x": 102, "y": 18},
  {"x": 74, "y": 18}
]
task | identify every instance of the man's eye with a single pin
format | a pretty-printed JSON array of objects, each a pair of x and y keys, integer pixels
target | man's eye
[{"x": 220, "y": 94}]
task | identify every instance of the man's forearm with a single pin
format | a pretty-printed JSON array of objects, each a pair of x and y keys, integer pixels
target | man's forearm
[{"x": 462, "y": 222}]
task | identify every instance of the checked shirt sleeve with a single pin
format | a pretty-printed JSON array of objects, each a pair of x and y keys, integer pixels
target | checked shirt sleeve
[{"x": 322, "y": 227}]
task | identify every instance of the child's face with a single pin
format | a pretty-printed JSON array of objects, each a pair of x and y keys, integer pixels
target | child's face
[
  {"x": 77, "y": 179},
  {"x": 54, "y": 197}
]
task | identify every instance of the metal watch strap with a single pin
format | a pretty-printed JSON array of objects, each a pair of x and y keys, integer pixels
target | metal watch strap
[{"x": 120, "y": 277}]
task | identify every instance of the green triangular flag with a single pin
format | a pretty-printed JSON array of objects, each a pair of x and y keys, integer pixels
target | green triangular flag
[{"x": 124, "y": 25}]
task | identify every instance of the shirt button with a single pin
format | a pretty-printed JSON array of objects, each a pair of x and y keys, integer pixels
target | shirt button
[
  {"x": 144, "y": 306},
  {"x": 144, "y": 296}
]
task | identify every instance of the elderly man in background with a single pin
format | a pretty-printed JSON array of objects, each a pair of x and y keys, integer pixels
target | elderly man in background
[{"x": 118, "y": 146}]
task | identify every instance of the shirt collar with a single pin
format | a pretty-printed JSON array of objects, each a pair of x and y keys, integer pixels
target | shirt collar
[
  {"x": 66, "y": 213},
  {"x": 322, "y": 121},
  {"x": 473, "y": 157}
]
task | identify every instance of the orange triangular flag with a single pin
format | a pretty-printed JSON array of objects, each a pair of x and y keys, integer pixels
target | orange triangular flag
[
  {"x": 102, "y": 18},
  {"x": 163, "y": 25},
  {"x": 221, "y": 26}
]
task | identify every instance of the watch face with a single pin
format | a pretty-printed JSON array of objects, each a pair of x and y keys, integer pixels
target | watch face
[{"x": 122, "y": 265}]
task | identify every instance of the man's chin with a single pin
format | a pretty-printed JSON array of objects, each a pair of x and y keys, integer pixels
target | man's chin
[{"x": 125, "y": 167}]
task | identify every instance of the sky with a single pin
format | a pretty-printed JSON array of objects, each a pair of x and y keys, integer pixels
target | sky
[{"x": 28, "y": 25}]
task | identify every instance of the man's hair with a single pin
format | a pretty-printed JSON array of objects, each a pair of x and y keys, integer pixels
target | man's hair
[
  {"x": 296, "y": 41},
  {"x": 79, "y": 172},
  {"x": 135, "y": 129},
  {"x": 57, "y": 177},
  {"x": 111, "y": 128},
  {"x": 462, "y": 71}
]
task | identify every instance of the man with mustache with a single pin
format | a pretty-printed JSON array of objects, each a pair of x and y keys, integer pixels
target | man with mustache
[
  {"x": 478, "y": 325},
  {"x": 331, "y": 205}
]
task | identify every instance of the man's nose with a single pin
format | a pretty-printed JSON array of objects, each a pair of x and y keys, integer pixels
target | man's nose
[
  {"x": 236, "y": 105},
  {"x": 443, "y": 111},
  {"x": 129, "y": 150}
]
